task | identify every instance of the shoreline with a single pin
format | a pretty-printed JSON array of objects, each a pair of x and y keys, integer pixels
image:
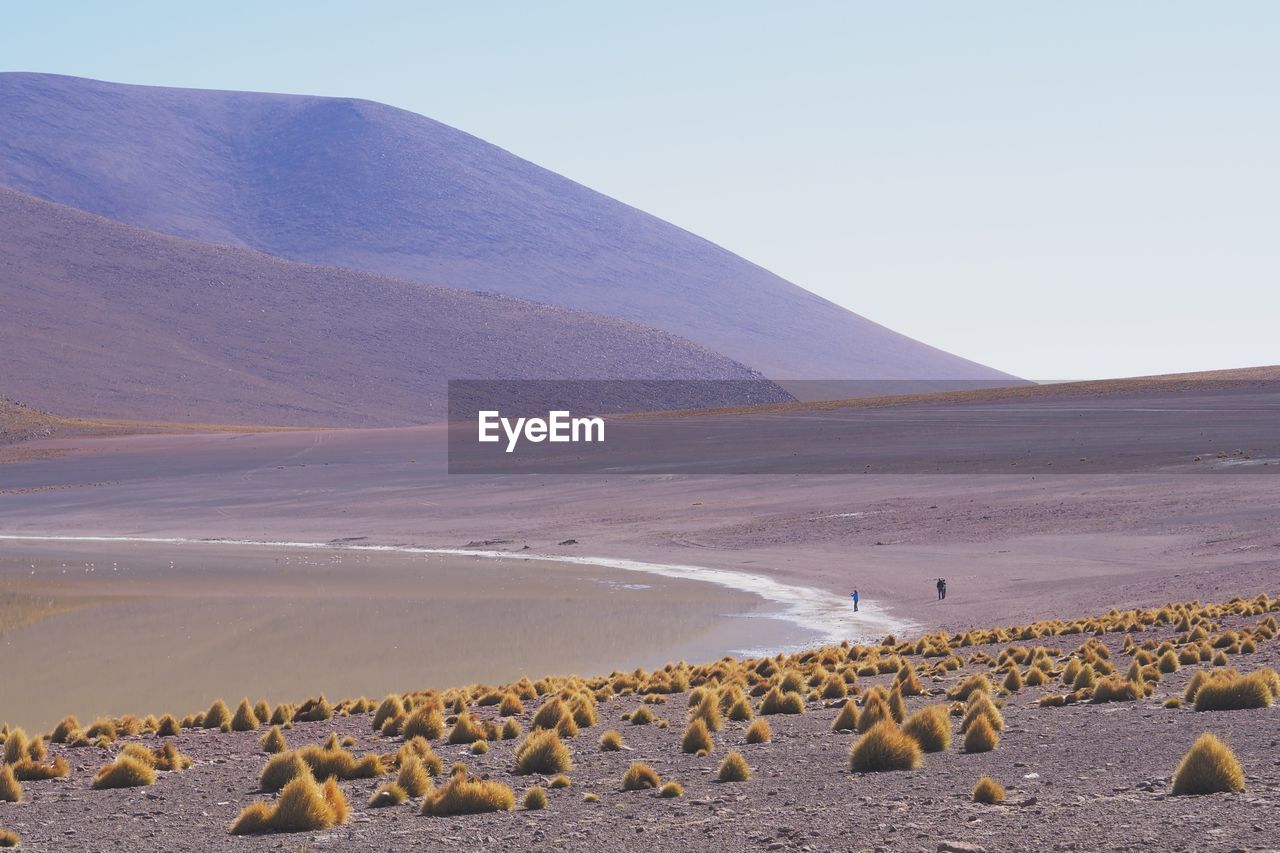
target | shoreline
[{"x": 827, "y": 616}]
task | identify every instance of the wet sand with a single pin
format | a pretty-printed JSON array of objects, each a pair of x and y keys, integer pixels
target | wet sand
[{"x": 135, "y": 628}]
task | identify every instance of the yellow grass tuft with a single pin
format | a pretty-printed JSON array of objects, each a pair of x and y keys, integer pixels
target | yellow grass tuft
[
  {"x": 884, "y": 748},
  {"x": 273, "y": 742},
  {"x": 1227, "y": 691},
  {"x": 1209, "y": 767},
  {"x": 388, "y": 794},
  {"x": 168, "y": 759},
  {"x": 510, "y": 706},
  {"x": 759, "y": 732},
  {"x": 734, "y": 768},
  {"x": 390, "y": 708},
  {"x": 463, "y": 794},
  {"x": 16, "y": 746},
  {"x": 217, "y": 714},
  {"x": 988, "y": 791},
  {"x": 610, "y": 741},
  {"x": 542, "y": 752},
  {"x": 930, "y": 727},
  {"x": 708, "y": 710},
  {"x": 535, "y": 798},
  {"x": 777, "y": 701},
  {"x": 413, "y": 778},
  {"x": 640, "y": 777},
  {"x": 421, "y": 750},
  {"x": 29, "y": 770},
  {"x": 561, "y": 781},
  {"x": 304, "y": 805},
  {"x": 9, "y": 839},
  {"x": 245, "y": 720},
  {"x": 280, "y": 769},
  {"x": 64, "y": 729},
  {"x": 125, "y": 772},
  {"x": 466, "y": 730},
  {"x": 740, "y": 709},
  {"x": 169, "y": 726},
  {"x": 981, "y": 735},
  {"x": 874, "y": 710},
  {"x": 641, "y": 716},
  {"x": 671, "y": 790},
  {"x": 10, "y": 790},
  {"x": 511, "y": 729},
  {"x": 253, "y": 819},
  {"x": 847, "y": 719},
  {"x": 696, "y": 738},
  {"x": 424, "y": 722}
]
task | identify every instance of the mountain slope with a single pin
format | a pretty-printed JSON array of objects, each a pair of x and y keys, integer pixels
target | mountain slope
[
  {"x": 362, "y": 185},
  {"x": 101, "y": 319}
]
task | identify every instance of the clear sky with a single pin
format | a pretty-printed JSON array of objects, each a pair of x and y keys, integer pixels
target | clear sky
[{"x": 1061, "y": 190}]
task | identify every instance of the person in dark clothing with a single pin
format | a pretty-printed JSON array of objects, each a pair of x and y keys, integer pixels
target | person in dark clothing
[
  {"x": 854, "y": 596},
  {"x": 942, "y": 589}
]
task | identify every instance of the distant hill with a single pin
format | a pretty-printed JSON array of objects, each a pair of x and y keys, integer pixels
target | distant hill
[
  {"x": 357, "y": 184},
  {"x": 103, "y": 320}
]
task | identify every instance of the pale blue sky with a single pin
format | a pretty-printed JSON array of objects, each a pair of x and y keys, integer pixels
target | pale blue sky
[{"x": 1060, "y": 190}]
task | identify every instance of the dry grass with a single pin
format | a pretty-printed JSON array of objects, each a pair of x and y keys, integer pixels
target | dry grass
[
  {"x": 847, "y": 719},
  {"x": 930, "y": 727},
  {"x": 778, "y": 701},
  {"x": 388, "y": 794},
  {"x": 542, "y": 752},
  {"x": 213, "y": 718},
  {"x": 63, "y": 731},
  {"x": 1227, "y": 691},
  {"x": 874, "y": 710},
  {"x": 981, "y": 736},
  {"x": 671, "y": 790},
  {"x": 697, "y": 738},
  {"x": 125, "y": 772},
  {"x": 988, "y": 791},
  {"x": 16, "y": 746},
  {"x": 463, "y": 794},
  {"x": 9, "y": 839},
  {"x": 303, "y": 806},
  {"x": 640, "y": 777},
  {"x": 641, "y": 716},
  {"x": 273, "y": 741},
  {"x": 390, "y": 708},
  {"x": 535, "y": 799},
  {"x": 1209, "y": 767},
  {"x": 413, "y": 778},
  {"x": 884, "y": 748},
  {"x": 734, "y": 768},
  {"x": 610, "y": 741},
  {"x": 10, "y": 790},
  {"x": 759, "y": 732},
  {"x": 466, "y": 730},
  {"x": 245, "y": 718},
  {"x": 29, "y": 770}
]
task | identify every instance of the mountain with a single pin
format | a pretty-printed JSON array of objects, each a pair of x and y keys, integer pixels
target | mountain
[
  {"x": 357, "y": 184},
  {"x": 104, "y": 320}
]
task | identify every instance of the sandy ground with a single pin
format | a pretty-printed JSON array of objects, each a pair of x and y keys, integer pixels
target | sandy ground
[
  {"x": 1012, "y": 546},
  {"x": 1083, "y": 778}
]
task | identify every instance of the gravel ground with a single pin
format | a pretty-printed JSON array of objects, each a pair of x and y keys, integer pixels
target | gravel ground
[{"x": 1084, "y": 777}]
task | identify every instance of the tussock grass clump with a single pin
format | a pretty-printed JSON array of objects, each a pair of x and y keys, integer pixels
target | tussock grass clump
[
  {"x": 930, "y": 727},
  {"x": 1209, "y": 767},
  {"x": 314, "y": 710},
  {"x": 884, "y": 748},
  {"x": 480, "y": 747},
  {"x": 421, "y": 750},
  {"x": 63, "y": 731},
  {"x": 708, "y": 710},
  {"x": 424, "y": 722},
  {"x": 981, "y": 736},
  {"x": 610, "y": 741},
  {"x": 16, "y": 746},
  {"x": 988, "y": 791},
  {"x": 874, "y": 710},
  {"x": 466, "y": 730},
  {"x": 561, "y": 781},
  {"x": 535, "y": 799},
  {"x": 9, "y": 839},
  {"x": 168, "y": 726},
  {"x": 280, "y": 769},
  {"x": 29, "y": 770},
  {"x": 980, "y": 705},
  {"x": 740, "y": 710},
  {"x": 510, "y": 706},
  {"x": 217, "y": 714},
  {"x": 542, "y": 752},
  {"x": 696, "y": 738},
  {"x": 847, "y": 719},
  {"x": 390, "y": 707},
  {"x": 759, "y": 732},
  {"x": 782, "y": 702},
  {"x": 463, "y": 794},
  {"x": 273, "y": 741},
  {"x": 1115, "y": 689},
  {"x": 125, "y": 772},
  {"x": 388, "y": 794},
  {"x": 245, "y": 718},
  {"x": 1230, "y": 692},
  {"x": 413, "y": 778},
  {"x": 640, "y": 777},
  {"x": 10, "y": 790},
  {"x": 549, "y": 715},
  {"x": 974, "y": 683},
  {"x": 641, "y": 716},
  {"x": 304, "y": 806},
  {"x": 671, "y": 790},
  {"x": 734, "y": 768},
  {"x": 168, "y": 759}
]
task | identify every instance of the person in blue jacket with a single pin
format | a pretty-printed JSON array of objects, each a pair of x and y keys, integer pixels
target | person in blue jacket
[{"x": 854, "y": 596}]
